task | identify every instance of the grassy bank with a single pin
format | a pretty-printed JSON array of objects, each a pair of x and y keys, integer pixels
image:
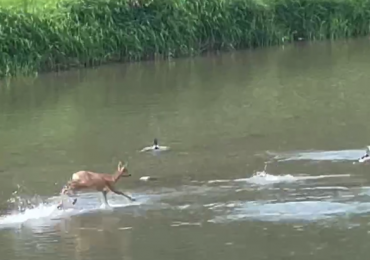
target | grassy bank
[{"x": 48, "y": 35}]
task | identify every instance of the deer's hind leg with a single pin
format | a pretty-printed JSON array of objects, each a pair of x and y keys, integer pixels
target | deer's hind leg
[
  {"x": 68, "y": 190},
  {"x": 72, "y": 191}
]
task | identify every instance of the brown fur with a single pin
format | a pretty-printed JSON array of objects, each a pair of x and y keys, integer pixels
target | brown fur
[{"x": 101, "y": 182}]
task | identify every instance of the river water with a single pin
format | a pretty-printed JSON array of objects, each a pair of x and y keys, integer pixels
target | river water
[{"x": 261, "y": 160}]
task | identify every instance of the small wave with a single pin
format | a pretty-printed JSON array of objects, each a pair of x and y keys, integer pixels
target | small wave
[
  {"x": 287, "y": 211},
  {"x": 327, "y": 188},
  {"x": 364, "y": 191},
  {"x": 218, "y": 181},
  {"x": 179, "y": 224},
  {"x": 339, "y": 155},
  {"x": 263, "y": 178}
]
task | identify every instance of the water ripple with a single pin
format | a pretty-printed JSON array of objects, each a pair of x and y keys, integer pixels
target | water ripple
[{"x": 287, "y": 211}]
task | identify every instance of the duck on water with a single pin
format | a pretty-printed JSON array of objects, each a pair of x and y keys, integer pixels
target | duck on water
[
  {"x": 365, "y": 157},
  {"x": 155, "y": 147}
]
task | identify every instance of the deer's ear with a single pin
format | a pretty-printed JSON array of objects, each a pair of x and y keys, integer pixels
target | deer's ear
[{"x": 119, "y": 165}]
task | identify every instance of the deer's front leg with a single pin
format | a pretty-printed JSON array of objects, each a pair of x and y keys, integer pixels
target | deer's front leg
[
  {"x": 105, "y": 197},
  {"x": 125, "y": 195},
  {"x": 119, "y": 192}
]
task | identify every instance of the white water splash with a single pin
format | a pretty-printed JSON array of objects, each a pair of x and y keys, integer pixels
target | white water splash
[
  {"x": 45, "y": 215},
  {"x": 40, "y": 215}
]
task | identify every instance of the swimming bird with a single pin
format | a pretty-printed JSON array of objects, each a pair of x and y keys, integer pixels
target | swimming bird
[
  {"x": 155, "y": 147},
  {"x": 365, "y": 157}
]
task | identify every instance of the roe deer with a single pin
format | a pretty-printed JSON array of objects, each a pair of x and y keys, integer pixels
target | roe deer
[{"x": 102, "y": 182}]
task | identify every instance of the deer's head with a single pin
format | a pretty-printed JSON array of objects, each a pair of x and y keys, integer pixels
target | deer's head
[{"x": 122, "y": 170}]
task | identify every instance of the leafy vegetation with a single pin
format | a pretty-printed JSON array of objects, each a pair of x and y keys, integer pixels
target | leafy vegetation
[{"x": 44, "y": 35}]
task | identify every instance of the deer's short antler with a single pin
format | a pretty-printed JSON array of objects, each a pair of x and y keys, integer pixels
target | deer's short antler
[{"x": 121, "y": 167}]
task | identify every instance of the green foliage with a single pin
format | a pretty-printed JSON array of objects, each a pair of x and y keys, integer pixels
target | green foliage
[{"x": 44, "y": 35}]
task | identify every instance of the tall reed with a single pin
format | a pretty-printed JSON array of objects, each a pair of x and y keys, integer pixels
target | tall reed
[{"x": 71, "y": 33}]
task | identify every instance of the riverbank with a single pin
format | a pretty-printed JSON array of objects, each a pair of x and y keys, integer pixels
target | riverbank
[{"x": 50, "y": 36}]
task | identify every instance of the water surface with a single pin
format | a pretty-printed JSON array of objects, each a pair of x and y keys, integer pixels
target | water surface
[{"x": 261, "y": 161}]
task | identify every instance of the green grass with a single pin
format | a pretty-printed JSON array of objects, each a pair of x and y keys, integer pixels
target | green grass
[
  {"x": 30, "y": 6},
  {"x": 50, "y": 35}
]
